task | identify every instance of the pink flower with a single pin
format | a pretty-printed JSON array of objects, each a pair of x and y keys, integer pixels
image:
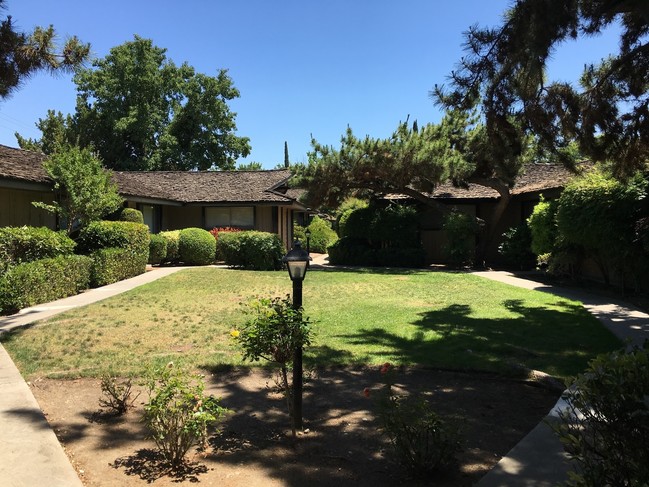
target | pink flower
[
  {"x": 385, "y": 368},
  {"x": 366, "y": 392}
]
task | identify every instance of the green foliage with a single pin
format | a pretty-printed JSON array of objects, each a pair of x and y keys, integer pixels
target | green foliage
[
  {"x": 24, "y": 54},
  {"x": 250, "y": 166},
  {"x": 516, "y": 247},
  {"x": 131, "y": 215},
  {"x": 251, "y": 250},
  {"x": 157, "y": 249},
  {"x": 172, "y": 237},
  {"x": 423, "y": 443},
  {"x": 107, "y": 234},
  {"x": 274, "y": 333},
  {"x": 357, "y": 223},
  {"x": 85, "y": 191},
  {"x": 178, "y": 414},
  {"x": 140, "y": 111},
  {"x": 543, "y": 226},
  {"x": 116, "y": 264},
  {"x": 606, "y": 424},
  {"x": 322, "y": 236},
  {"x": 461, "y": 230},
  {"x": 598, "y": 214},
  {"x": 196, "y": 246},
  {"x": 26, "y": 244},
  {"x": 43, "y": 280}
]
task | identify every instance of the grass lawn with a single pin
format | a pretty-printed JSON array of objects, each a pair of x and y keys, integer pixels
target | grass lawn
[{"x": 436, "y": 319}]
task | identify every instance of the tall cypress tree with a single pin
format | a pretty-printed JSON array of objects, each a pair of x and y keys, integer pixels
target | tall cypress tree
[{"x": 287, "y": 164}]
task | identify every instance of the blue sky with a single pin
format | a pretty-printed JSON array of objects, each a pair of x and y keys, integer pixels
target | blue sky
[{"x": 302, "y": 66}]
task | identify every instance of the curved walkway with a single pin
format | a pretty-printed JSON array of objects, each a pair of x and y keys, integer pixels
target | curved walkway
[{"x": 30, "y": 453}]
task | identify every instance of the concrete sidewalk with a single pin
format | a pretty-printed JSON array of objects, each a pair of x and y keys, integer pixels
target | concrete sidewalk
[
  {"x": 30, "y": 454},
  {"x": 539, "y": 460}
]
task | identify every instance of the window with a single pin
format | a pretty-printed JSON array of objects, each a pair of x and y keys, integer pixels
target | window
[{"x": 241, "y": 217}]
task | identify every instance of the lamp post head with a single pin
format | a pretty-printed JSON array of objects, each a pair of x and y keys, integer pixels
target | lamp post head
[{"x": 297, "y": 262}]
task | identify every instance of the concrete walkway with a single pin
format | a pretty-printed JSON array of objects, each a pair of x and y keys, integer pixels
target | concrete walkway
[
  {"x": 30, "y": 454},
  {"x": 538, "y": 460}
]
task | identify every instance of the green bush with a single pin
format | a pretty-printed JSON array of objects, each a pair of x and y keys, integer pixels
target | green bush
[
  {"x": 606, "y": 424},
  {"x": 322, "y": 236},
  {"x": 172, "y": 237},
  {"x": 27, "y": 244},
  {"x": 352, "y": 251},
  {"x": 157, "y": 249},
  {"x": 461, "y": 230},
  {"x": 357, "y": 223},
  {"x": 107, "y": 234},
  {"x": 543, "y": 226},
  {"x": 516, "y": 248},
  {"x": 131, "y": 215},
  {"x": 115, "y": 264},
  {"x": 398, "y": 257},
  {"x": 252, "y": 250},
  {"x": 196, "y": 246},
  {"x": 43, "y": 280}
]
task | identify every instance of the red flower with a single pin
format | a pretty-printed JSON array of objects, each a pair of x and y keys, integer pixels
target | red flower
[
  {"x": 385, "y": 368},
  {"x": 366, "y": 392}
]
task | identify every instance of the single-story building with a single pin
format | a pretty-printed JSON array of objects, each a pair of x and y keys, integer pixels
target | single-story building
[{"x": 169, "y": 200}]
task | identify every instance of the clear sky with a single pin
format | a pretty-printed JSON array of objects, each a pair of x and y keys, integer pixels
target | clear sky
[{"x": 302, "y": 66}]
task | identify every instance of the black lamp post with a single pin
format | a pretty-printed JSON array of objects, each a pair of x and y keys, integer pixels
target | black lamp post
[
  {"x": 297, "y": 261},
  {"x": 307, "y": 234}
]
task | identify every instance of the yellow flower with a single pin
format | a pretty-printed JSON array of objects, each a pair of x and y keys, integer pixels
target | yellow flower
[{"x": 234, "y": 333}]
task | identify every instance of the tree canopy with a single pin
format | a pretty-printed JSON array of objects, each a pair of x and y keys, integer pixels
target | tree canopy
[
  {"x": 504, "y": 73},
  {"x": 22, "y": 54},
  {"x": 140, "y": 111}
]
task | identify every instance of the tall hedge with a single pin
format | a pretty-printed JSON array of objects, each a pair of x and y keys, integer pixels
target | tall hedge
[
  {"x": 196, "y": 246},
  {"x": 251, "y": 250},
  {"x": 43, "y": 280},
  {"x": 27, "y": 244},
  {"x": 543, "y": 226},
  {"x": 157, "y": 249}
]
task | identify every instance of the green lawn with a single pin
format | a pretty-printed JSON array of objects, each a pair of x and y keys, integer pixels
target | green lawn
[{"x": 436, "y": 319}]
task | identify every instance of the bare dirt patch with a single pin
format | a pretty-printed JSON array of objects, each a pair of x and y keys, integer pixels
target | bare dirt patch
[{"x": 343, "y": 445}]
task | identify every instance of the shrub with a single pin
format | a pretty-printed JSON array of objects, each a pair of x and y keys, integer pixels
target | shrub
[
  {"x": 252, "y": 250},
  {"x": 220, "y": 230},
  {"x": 461, "y": 229},
  {"x": 178, "y": 414},
  {"x": 516, "y": 247},
  {"x": 606, "y": 424},
  {"x": 322, "y": 236},
  {"x": 27, "y": 244},
  {"x": 117, "y": 394},
  {"x": 422, "y": 442},
  {"x": 357, "y": 223},
  {"x": 398, "y": 257},
  {"x": 107, "y": 234},
  {"x": 43, "y": 280},
  {"x": 274, "y": 333},
  {"x": 196, "y": 246},
  {"x": 172, "y": 237},
  {"x": 131, "y": 215},
  {"x": 157, "y": 249},
  {"x": 352, "y": 251},
  {"x": 543, "y": 227},
  {"x": 115, "y": 264}
]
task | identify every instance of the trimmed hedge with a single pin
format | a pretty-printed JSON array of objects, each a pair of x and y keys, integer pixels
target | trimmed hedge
[
  {"x": 115, "y": 264},
  {"x": 131, "y": 215},
  {"x": 172, "y": 237},
  {"x": 322, "y": 235},
  {"x": 157, "y": 249},
  {"x": 43, "y": 280},
  {"x": 251, "y": 250},
  {"x": 196, "y": 246},
  {"x": 107, "y": 234},
  {"x": 27, "y": 244}
]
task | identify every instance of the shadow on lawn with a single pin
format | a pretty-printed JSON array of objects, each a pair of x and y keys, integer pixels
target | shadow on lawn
[{"x": 556, "y": 341}]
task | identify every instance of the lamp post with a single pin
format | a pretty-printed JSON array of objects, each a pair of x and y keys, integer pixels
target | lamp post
[
  {"x": 307, "y": 234},
  {"x": 297, "y": 262}
]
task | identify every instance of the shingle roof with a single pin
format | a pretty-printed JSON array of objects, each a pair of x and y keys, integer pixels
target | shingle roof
[{"x": 22, "y": 165}]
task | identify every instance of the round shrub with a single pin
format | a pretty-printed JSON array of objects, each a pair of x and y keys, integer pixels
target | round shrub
[
  {"x": 196, "y": 246},
  {"x": 322, "y": 236},
  {"x": 131, "y": 215},
  {"x": 27, "y": 244},
  {"x": 171, "y": 237},
  {"x": 157, "y": 249},
  {"x": 542, "y": 225}
]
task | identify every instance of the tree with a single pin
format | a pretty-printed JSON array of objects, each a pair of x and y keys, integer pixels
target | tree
[
  {"x": 250, "y": 166},
  {"x": 287, "y": 163},
  {"x": 85, "y": 190},
  {"x": 139, "y": 111},
  {"x": 23, "y": 54},
  {"x": 57, "y": 132},
  {"x": 503, "y": 73}
]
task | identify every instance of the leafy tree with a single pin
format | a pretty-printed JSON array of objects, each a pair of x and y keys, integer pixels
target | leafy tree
[
  {"x": 57, "y": 132},
  {"x": 85, "y": 191},
  {"x": 140, "y": 111},
  {"x": 23, "y": 54},
  {"x": 287, "y": 163},
  {"x": 250, "y": 166},
  {"x": 504, "y": 73}
]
